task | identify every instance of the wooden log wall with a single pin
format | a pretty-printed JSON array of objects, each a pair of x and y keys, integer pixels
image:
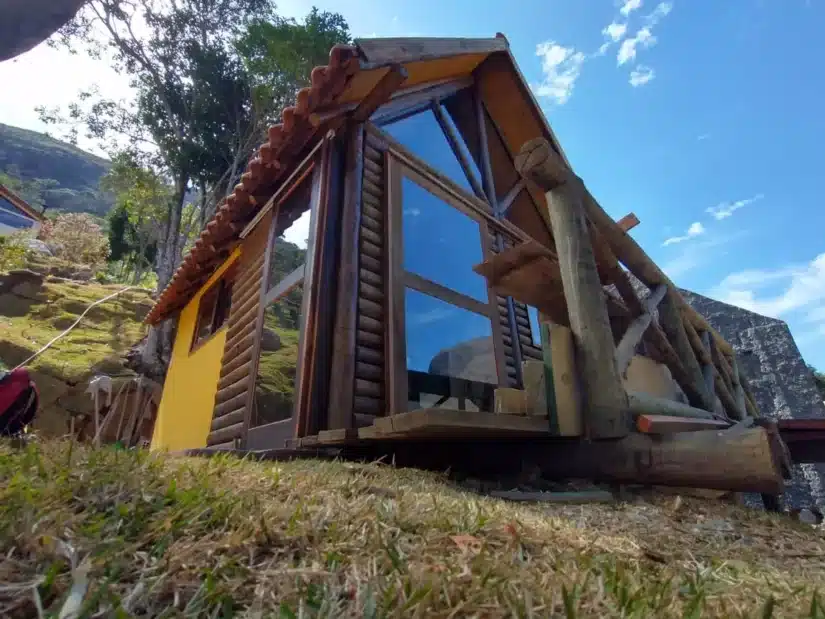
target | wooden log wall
[
  {"x": 370, "y": 342},
  {"x": 236, "y": 386}
]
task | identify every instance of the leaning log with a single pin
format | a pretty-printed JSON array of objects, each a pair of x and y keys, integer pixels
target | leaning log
[
  {"x": 605, "y": 399},
  {"x": 741, "y": 460}
]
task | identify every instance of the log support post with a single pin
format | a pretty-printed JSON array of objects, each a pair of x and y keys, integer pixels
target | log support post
[{"x": 605, "y": 401}]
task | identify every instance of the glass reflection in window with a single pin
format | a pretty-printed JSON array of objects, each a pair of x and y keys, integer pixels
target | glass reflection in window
[
  {"x": 535, "y": 329},
  {"x": 278, "y": 363},
  {"x": 441, "y": 243},
  {"x": 423, "y": 136},
  {"x": 450, "y": 356}
]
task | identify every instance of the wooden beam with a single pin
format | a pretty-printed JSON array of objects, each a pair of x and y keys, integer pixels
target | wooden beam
[
  {"x": 507, "y": 201},
  {"x": 379, "y": 52},
  {"x": 628, "y": 222},
  {"x": 665, "y": 424},
  {"x": 643, "y": 403},
  {"x": 605, "y": 399},
  {"x": 634, "y": 333},
  {"x": 380, "y": 93},
  {"x": 671, "y": 320},
  {"x": 460, "y": 154}
]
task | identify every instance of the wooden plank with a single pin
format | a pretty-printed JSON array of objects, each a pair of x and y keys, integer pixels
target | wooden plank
[
  {"x": 371, "y": 278},
  {"x": 443, "y": 421},
  {"x": 376, "y": 295},
  {"x": 369, "y": 355},
  {"x": 365, "y": 404},
  {"x": 535, "y": 389},
  {"x": 369, "y": 308},
  {"x": 370, "y": 225},
  {"x": 370, "y": 340},
  {"x": 509, "y": 401},
  {"x": 458, "y": 152},
  {"x": 342, "y": 375},
  {"x": 383, "y": 51},
  {"x": 227, "y": 419},
  {"x": 369, "y": 388},
  {"x": 628, "y": 222},
  {"x": 561, "y": 380},
  {"x": 365, "y": 323},
  {"x": 370, "y": 263},
  {"x": 371, "y": 250},
  {"x": 605, "y": 400},
  {"x": 665, "y": 424},
  {"x": 372, "y": 187},
  {"x": 368, "y": 371},
  {"x": 380, "y": 93},
  {"x": 372, "y": 207},
  {"x": 231, "y": 391}
]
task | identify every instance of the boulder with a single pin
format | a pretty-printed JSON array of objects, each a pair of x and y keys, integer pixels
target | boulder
[
  {"x": 18, "y": 277},
  {"x": 270, "y": 340},
  {"x": 472, "y": 360}
]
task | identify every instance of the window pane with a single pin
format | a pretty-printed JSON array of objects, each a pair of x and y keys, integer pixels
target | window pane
[
  {"x": 206, "y": 310},
  {"x": 441, "y": 243},
  {"x": 447, "y": 341},
  {"x": 462, "y": 144},
  {"x": 291, "y": 234},
  {"x": 277, "y": 365},
  {"x": 422, "y": 134}
]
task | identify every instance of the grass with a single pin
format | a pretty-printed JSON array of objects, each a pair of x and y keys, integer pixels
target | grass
[
  {"x": 100, "y": 340},
  {"x": 163, "y": 536}
]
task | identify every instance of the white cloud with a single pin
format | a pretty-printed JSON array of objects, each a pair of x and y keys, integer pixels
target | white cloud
[
  {"x": 644, "y": 38},
  {"x": 298, "y": 232},
  {"x": 724, "y": 210},
  {"x": 802, "y": 288},
  {"x": 561, "y": 67},
  {"x": 629, "y": 6},
  {"x": 702, "y": 137},
  {"x": 615, "y": 31},
  {"x": 641, "y": 75},
  {"x": 662, "y": 10},
  {"x": 695, "y": 229},
  {"x": 627, "y": 50},
  {"x": 699, "y": 252}
]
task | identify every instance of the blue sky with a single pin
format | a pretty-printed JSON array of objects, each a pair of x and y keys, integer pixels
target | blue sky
[{"x": 704, "y": 117}]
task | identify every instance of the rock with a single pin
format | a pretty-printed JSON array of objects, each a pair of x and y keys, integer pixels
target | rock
[
  {"x": 471, "y": 360},
  {"x": 30, "y": 290},
  {"x": 83, "y": 274},
  {"x": 780, "y": 380},
  {"x": 49, "y": 388},
  {"x": 12, "y": 305},
  {"x": 270, "y": 340},
  {"x": 12, "y": 279}
]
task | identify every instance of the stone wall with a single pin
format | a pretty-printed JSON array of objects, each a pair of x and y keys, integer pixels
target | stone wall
[{"x": 780, "y": 380}]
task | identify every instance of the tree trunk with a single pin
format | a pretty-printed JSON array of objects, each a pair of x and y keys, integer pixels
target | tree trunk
[{"x": 159, "y": 339}]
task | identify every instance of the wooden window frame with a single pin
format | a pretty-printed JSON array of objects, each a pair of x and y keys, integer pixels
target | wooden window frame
[
  {"x": 401, "y": 163},
  {"x": 221, "y": 290},
  {"x": 314, "y": 172}
]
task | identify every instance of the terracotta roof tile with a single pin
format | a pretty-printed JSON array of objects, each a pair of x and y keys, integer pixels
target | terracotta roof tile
[{"x": 326, "y": 83}]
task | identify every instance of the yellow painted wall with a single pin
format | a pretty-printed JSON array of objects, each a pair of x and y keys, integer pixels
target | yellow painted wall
[{"x": 185, "y": 412}]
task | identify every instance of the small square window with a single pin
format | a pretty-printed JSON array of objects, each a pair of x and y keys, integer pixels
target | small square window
[{"x": 213, "y": 309}]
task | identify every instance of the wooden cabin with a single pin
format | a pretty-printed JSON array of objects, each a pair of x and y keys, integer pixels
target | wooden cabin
[{"x": 386, "y": 268}]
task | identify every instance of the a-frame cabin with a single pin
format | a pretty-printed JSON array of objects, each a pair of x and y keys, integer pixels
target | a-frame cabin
[{"x": 387, "y": 266}]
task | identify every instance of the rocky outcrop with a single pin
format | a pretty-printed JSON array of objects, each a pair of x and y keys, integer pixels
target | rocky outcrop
[
  {"x": 780, "y": 380},
  {"x": 471, "y": 360}
]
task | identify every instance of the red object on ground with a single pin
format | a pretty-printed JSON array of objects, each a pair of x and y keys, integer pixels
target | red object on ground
[{"x": 18, "y": 401}]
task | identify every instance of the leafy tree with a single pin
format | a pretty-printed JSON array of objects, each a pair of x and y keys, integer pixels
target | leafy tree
[
  {"x": 200, "y": 103},
  {"x": 14, "y": 248},
  {"x": 76, "y": 238},
  {"x": 140, "y": 197}
]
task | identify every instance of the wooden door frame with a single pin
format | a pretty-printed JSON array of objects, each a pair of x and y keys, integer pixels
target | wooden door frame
[{"x": 274, "y": 434}]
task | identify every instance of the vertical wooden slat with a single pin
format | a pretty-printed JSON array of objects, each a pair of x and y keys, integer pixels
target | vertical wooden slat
[
  {"x": 342, "y": 379},
  {"x": 396, "y": 360}
]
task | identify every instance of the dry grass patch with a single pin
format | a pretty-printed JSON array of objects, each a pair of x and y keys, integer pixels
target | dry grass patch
[{"x": 161, "y": 536}]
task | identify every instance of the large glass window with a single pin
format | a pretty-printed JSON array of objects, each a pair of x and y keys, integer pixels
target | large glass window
[
  {"x": 441, "y": 243},
  {"x": 422, "y": 135},
  {"x": 277, "y": 374}
]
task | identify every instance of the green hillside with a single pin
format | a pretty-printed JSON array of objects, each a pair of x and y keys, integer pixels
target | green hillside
[{"x": 46, "y": 171}]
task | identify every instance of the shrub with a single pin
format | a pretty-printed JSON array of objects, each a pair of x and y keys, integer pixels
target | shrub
[
  {"x": 14, "y": 249},
  {"x": 76, "y": 237}
]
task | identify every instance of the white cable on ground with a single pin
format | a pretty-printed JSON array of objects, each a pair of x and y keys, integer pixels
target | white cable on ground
[{"x": 74, "y": 324}]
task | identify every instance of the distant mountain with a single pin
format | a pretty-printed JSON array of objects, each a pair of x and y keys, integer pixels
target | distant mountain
[{"x": 52, "y": 173}]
